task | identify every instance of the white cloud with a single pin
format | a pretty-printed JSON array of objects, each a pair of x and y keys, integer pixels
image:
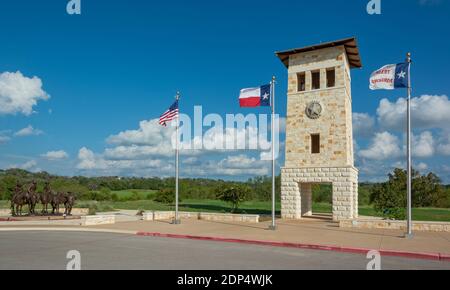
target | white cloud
[
  {"x": 55, "y": 155},
  {"x": 19, "y": 94},
  {"x": 232, "y": 139},
  {"x": 363, "y": 124},
  {"x": 149, "y": 133},
  {"x": 29, "y": 165},
  {"x": 28, "y": 131},
  {"x": 423, "y": 146},
  {"x": 444, "y": 144},
  {"x": 89, "y": 161},
  {"x": 243, "y": 165},
  {"x": 134, "y": 152},
  {"x": 421, "y": 167},
  {"x": 386, "y": 146},
  {"x": 383, "y": 146},
  {"x": 148, "y": 150},
  {"x": 427, "y": 112},
  {"x": 234, "y": 165},
  {"x": 150, "y": 140},
  {"x": 191, "y": 161}
]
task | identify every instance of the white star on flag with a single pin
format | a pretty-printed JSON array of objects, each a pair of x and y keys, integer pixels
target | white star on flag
[{"x": 401, "y": 75}]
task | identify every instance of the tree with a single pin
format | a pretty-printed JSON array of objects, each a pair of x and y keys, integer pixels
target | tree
[
  {"x": 166, "y": 196},
  {"x": 428, "y": 191},
  {"x": 234, "y": 194},
  {"x": 389, "y": 198}
]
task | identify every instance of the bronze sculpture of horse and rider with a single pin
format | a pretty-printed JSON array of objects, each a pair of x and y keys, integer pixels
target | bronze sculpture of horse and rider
[{"x": 31, "y": 198}]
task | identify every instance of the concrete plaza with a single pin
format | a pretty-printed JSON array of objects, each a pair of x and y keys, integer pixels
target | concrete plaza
[{"x": 313, "y": 232}]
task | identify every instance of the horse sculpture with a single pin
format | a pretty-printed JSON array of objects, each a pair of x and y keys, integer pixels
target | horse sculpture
[
  {"x": 18, "y": 200},
  {"x": 33, "y": 197},
  {"x": 62, "y": 198},
  {"x": 46, "y": 198},
  {"x": 30, "y": 197},
  {"x": 55, "y": 202},
  {"x": 68, "y": 203}
]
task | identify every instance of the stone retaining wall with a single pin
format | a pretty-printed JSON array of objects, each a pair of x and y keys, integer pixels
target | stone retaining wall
[
  {"x": 92, "y": 220},
  {"x": 167, "y": 215},
  {"x": 245, "y": 218},
  {"x": 395, "y": 225}
]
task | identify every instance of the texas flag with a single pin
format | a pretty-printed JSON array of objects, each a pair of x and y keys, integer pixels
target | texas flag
[
  {"x": 255, "y": 97},
  {"x": 390, "y": 77}
]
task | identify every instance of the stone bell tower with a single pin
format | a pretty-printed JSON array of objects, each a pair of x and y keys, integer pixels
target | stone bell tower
[{"x": 319, "y": 136}]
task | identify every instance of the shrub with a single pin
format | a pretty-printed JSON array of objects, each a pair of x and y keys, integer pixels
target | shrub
[
  {"x": 103, "y": 195},
  {"x": 235, "y": 194},
  {"x": 166, "y": 196},
  {"x": 92, "y": 210},
  {"x": 114, "y": 197},
  {"x": 134, "y": 196},
  {"x": 322, "y": 193},
  {"x": 389, "y": 198}
]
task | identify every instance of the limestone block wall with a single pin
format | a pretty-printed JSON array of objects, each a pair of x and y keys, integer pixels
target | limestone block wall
[
  {"x": 167, "y": 215},
  {"x": 296, "y": 187},
  {"x": 93, "y": 220},
  {"x": 335, "y": 123},
  {"x": 335, "y": 162},
  {"x": 306, "y": 198}
]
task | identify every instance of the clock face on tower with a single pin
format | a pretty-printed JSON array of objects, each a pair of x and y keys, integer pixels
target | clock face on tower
[{"x": 314, "y": 110}]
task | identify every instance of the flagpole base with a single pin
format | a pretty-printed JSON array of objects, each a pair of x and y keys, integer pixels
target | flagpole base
[
  {"x": 409, "y": 236},
  {"x": 176, "y": 222},
  {"x": 272, "y": 228}
]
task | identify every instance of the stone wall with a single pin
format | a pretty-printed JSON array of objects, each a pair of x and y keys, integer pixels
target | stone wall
[
  {"x": 168, "y": 215},
  {"x": 335, "y": 124},
  {"x": 296, "y": 186},
  {"x": 245, "y": 218},
  {"x": 395, "y": 225},
  {"x": 92, "y": 220},
  {"x": 335, "y": 162}
]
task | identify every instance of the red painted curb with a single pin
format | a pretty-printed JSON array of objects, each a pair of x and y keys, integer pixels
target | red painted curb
[
  {"x": 362, "y": 251},
  {"x": 444, "y": 257},
  {"x": 8, "y": 220}
]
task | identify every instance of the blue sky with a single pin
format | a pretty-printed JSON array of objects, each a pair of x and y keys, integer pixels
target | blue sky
[{"x": 120, "y": 63}]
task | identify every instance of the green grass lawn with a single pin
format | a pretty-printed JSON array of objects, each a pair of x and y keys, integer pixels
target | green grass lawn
[
  {"x": 250, "y": 207},
  {"x": 142, "y": 194}
]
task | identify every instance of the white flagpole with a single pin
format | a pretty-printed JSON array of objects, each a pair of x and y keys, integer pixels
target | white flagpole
[
  {"x": 409, "y": 233},
  {"x": 273, "y": 226},
  {"x": 177, "y": 221}
]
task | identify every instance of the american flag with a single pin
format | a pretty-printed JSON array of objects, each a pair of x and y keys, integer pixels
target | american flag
[{"x": 170, "y": 115}]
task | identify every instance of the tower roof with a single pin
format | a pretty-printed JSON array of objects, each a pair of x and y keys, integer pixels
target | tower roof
[{"x": 350, "y": 44}]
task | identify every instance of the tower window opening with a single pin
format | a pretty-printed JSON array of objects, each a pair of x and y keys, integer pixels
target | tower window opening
[
  {"x": 315, "y": 143},
  {"x": 315, "y": 76},
  {"x": 331, "y": 77},
  {"x": 301, "y": 82}
]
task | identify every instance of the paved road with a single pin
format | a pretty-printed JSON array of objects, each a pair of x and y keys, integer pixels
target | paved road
[{"x": 48, "y": 250}]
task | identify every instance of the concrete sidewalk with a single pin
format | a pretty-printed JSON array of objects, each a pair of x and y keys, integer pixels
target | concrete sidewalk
[
  {"x": 306, "y": 232},
  {"x": 313, "y": 232}
]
